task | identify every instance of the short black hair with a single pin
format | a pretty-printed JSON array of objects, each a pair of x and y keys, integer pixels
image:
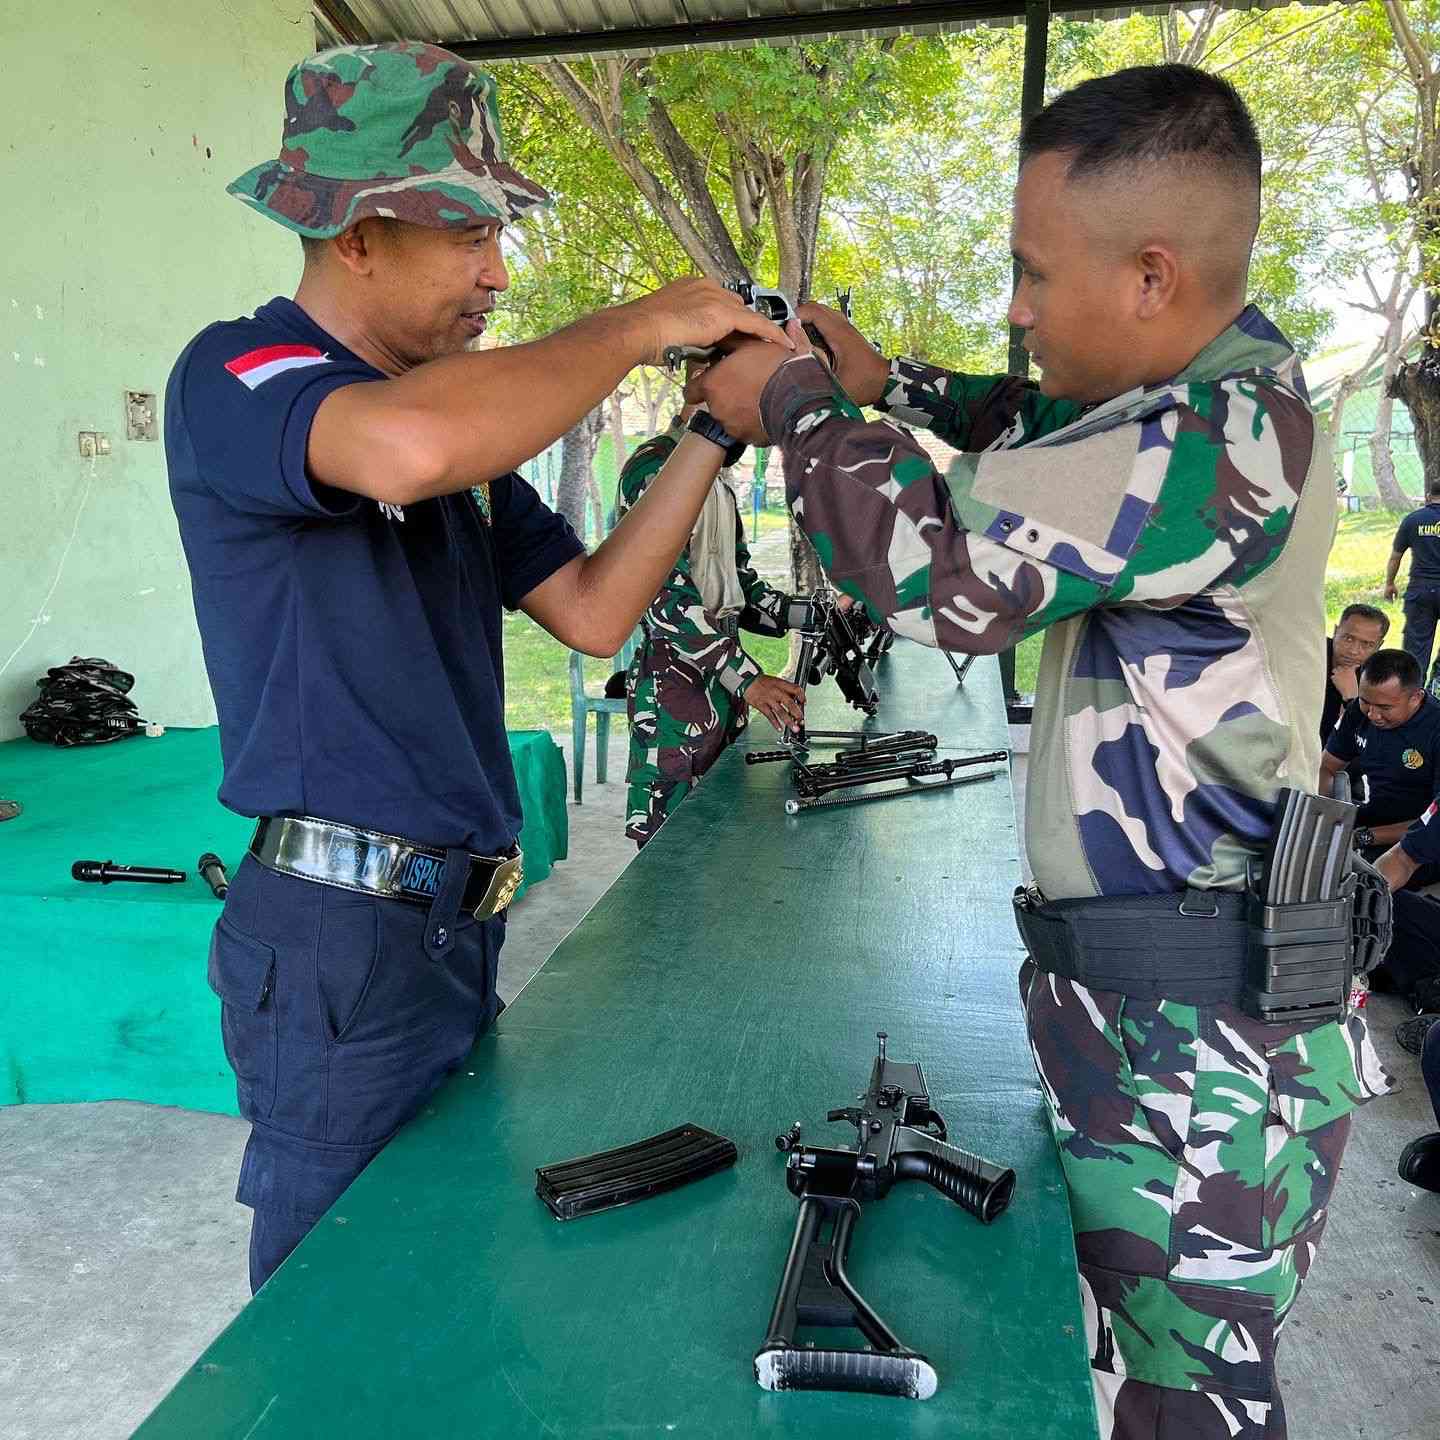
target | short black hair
[
  {"x": 1366, "y": 612},
  {"x": 313, "y": 247},
  {"x": 1386, "y": 665},
  {"x": 1146, "y": 113}
]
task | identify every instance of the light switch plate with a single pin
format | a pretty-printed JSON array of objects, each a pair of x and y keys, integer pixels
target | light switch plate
[{"x": 140, "y": 416}]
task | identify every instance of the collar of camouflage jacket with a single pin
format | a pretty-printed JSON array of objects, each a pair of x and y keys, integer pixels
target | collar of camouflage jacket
[{"x": 1251, "y": 345}]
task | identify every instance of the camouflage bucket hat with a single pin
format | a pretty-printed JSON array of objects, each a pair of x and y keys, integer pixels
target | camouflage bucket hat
[{"x": 406, "y": 131}]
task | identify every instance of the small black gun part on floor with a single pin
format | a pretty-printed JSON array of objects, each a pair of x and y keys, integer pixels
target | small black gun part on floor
[
  {"x": 901, "y": 1137},
  {"x": 212, "y": 872},
  {"x": 104, "y": 872}
]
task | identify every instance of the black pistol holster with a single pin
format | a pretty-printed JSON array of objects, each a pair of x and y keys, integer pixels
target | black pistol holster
[{"x": 1313, "y": 915}]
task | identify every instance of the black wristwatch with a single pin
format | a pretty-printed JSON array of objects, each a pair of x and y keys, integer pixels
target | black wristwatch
[
  {"x": 1363, "y": 838},
  {"x": 705, "y": 425}
]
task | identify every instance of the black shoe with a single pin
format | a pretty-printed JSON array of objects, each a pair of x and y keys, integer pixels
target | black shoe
[
  {"x": 1410, "y": 1034},
  {"x": 1420, "y": 1163}
]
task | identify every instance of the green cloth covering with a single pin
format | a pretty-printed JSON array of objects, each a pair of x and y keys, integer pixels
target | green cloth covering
[{"x": 104, "y": 994}]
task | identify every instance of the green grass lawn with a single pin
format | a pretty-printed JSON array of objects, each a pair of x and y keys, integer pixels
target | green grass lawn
[{"x": 537, "y": 680}]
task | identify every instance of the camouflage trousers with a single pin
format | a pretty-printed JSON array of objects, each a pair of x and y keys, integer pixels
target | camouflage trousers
[
  {"x": 680, "y": 723},
  {"x": 1200, "y": 1149}
]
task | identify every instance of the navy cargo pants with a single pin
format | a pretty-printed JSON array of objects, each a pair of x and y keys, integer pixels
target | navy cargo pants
[
  {"x": 1422, "y": 607},
  {"x": 341, "y": 1015}
]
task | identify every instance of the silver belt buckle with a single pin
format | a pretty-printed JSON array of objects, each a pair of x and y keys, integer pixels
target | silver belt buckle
[{"x": 502, "y": 887}]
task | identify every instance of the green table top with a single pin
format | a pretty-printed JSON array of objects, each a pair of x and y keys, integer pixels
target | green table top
[{"x": 735, "y": 975}]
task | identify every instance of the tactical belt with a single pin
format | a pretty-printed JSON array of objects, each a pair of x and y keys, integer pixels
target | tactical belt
[
  {"x": 1190, "y": 947},
  {"x": 377, "y": 864}
]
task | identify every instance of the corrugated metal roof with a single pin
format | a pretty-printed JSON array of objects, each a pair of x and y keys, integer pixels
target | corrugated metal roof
[{"x": 567, "y": 29}]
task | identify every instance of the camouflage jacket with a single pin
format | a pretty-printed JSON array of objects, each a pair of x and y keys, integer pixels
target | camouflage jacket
[
  {"x": 677, "y": 617},
  {"x": 1172, "y": 544}
]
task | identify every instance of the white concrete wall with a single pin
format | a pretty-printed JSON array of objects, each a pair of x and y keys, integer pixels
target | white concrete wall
[{"x": 123, "y": 125}]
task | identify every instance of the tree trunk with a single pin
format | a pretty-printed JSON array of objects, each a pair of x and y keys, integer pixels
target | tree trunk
[
  {"x": 1382, "y": 461},
  {"x": 1417, "y": 385},
  {"x": 597, "y": 507},
  {"x": 577, "y": 457},
  {"x": 617, "y": 442}
]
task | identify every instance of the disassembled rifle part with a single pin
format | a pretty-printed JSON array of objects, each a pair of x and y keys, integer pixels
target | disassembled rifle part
[
  {"x": 900, "y": 1137},
  {"x": 960, "y": 667},
  {"x": 906, "y": 756}
]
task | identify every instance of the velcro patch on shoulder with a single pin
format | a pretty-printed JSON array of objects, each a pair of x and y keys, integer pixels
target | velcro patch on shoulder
[{"x": 1078, "y": 507}]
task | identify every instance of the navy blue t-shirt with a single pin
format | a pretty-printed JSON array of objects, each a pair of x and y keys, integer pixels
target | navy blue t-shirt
[
  {"x": 1421, "y": 842},
  {"x": 1419, "y": 533},
  {"x": 353, "y": 647},
  {"x": 1399, "y": 769}
]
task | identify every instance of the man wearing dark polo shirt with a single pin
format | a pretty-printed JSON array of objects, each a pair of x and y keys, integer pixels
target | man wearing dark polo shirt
[
  {"x": 1419, "y": 533},
  {"x": 342, "y": 472},
  {"x": 1413, "y": 963},
  {"x": 1390, "y": 739},
  {"x": 1357, "y": 637}
]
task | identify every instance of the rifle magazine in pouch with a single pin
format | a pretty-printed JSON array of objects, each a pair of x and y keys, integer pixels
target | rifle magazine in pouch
[{"x": 1298, "y": 959}]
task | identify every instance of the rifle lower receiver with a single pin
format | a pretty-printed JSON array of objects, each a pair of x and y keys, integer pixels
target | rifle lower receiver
[{"x": 900, "y": 1138}]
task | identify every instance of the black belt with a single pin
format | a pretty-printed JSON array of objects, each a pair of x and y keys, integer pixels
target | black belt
[
  {"x": 378, "y": 864},
  {"x": 1190, "y": 946}
]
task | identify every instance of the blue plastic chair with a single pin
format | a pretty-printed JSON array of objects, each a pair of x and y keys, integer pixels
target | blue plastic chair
[{"x": 583, "y": 705}]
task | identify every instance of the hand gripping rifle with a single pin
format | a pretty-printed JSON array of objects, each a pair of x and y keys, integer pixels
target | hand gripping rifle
[
  {"x": 774, "y": 305},
  {"x": 842, "y": 643},
  {"x": 900, "y": 1138}
]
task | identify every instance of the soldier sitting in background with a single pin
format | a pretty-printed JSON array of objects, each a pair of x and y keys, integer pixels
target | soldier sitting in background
[
  {"x": 1358, "y": 635},
  {"x": 1389, "y": 739},
  {"x": 691, "y": 684}
]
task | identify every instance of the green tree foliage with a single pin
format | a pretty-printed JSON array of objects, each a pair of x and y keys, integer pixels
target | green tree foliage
[{"x": 905, "y": 152}]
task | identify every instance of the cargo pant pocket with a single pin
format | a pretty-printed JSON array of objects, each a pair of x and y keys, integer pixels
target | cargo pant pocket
[
  {"x": 1180, "y": 1335},
  {"x": 346, "y": 959},
  {"x": 242, "y": 973}
]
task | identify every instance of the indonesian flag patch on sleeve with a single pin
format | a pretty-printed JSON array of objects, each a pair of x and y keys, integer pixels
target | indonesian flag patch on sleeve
[{"x": 255, "y": 367}]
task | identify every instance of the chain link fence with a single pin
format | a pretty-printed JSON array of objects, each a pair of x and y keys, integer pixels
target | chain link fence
[{"x": 1354, "y": 463}]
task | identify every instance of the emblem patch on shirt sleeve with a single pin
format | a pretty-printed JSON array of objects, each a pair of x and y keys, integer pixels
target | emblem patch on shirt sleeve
[{"x": 255, "y": 367}]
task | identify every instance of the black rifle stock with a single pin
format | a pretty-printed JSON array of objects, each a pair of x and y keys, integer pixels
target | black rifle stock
[{"x": 900, "y": 1138}]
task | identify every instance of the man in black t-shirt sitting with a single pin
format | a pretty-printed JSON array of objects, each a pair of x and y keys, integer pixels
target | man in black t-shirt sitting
[
  {"x": 1419, "y": 533},
  {"x": 1389, "y": 739},
  {"x": 1357, "y": 637},
  {"x": 1412, "y": 968}
]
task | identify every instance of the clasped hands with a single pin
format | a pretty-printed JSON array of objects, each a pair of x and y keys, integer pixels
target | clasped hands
[{"x": 731, "y": 386}]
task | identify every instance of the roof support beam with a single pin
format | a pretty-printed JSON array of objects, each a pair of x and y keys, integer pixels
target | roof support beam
[{"x": 758, "y": 28}]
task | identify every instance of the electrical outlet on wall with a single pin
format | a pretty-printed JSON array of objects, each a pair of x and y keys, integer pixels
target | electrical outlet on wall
[{"x": 140, "y": 416}]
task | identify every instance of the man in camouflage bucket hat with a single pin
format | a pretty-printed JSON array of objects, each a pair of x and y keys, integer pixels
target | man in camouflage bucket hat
[
  {"x": 409, "y": 132},
  {"x": 1162, "y": 507},
  {"x": 341, "y": 466}
]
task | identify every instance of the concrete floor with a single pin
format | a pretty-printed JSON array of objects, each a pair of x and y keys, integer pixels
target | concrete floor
[{"x": 122, "y": 1254}]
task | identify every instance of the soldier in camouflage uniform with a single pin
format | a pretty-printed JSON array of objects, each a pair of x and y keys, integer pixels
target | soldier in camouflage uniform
[
  {"x": 1162, "y": 508},
  {"x": 342, "y": 471},
  {"x": 691, "y": 685}
]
